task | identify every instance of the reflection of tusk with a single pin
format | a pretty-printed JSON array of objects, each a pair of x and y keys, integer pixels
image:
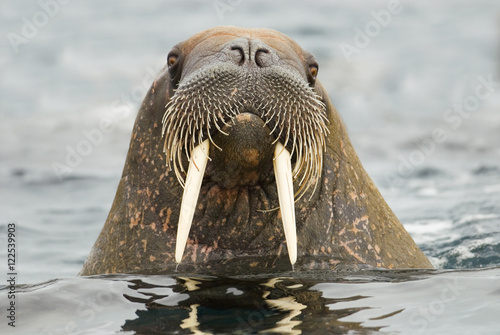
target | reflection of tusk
[
  {"x": 196, "y": 170},
  {"x": 289, "y": 304},
  {"x": 284, "y": 183}
]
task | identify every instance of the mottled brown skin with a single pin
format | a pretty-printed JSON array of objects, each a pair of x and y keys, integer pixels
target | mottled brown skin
[{"x": 346, "y": 222}]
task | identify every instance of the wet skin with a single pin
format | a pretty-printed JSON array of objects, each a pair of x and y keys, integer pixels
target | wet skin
[{"x": 246, "y": 78}]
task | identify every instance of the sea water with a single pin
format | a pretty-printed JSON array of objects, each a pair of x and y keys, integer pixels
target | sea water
[{"x": 417, "y": 88}]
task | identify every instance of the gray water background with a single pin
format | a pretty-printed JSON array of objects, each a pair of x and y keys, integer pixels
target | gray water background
[{"x": 93, "y": 61}]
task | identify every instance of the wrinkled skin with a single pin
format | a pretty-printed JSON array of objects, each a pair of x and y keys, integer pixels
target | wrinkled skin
[{"x": 236, "y": 227}]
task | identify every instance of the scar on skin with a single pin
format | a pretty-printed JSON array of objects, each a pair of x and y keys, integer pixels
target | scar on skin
[
  {"x": 252, "y": 156},
  {"x": 244, "y": 117},
  {"x": 167, "y": 220},
  {"x": 134, "y": 222},
  {"x": 352, "y": 253},
  {"x": 355, "y": 223}
]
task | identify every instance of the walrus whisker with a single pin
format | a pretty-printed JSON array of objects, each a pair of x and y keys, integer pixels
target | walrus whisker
[
  {"x": 294, "y": 139},
  {"x": 175, "y": 125},
  {"x": 165, "y": 124},
  {"x": 185, "y": 137},
  {"x": 189, "y": 124},
  {"x": 200, "y": 110},
  {"x": 317, "y": 161},
  {"x": 287, "y": 131},
  {"x": 222, "y": 118},
  {"x": 281, "y": 129},
  {"x": 187, "y": 130},
  {"x": 219, "y": 129},
  {"x": 275, "y": 141},
  {"x": 178, "y": 173},
  {"x": 267, "y": 112},
  {"x": 299, "y": 161},
  {"x": 275, "y": 126},
  {"x": 316, "y": 178},
  {"x": 209, "y": 135},
  {"x": 294, "y": 111},
  {"x": 165, "y": 116},
  {"x": 200, "y": 137},
  {"x": 272, "y": 118},
  {"x": 277, "y": 154},
  {"x": 306, "y": 172},
  {"x": 268, "y": 210}
]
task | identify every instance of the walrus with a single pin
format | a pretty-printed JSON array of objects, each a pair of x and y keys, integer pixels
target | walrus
[{"x": 239, "y": 163}]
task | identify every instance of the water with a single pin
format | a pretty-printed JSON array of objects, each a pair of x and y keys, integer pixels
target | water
[
  {"x": 89, "y": 62},
  {"x": 366, "y": 302}
]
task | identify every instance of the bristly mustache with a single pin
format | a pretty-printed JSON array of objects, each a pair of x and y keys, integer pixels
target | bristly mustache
[{"x": 211, "y": 97}]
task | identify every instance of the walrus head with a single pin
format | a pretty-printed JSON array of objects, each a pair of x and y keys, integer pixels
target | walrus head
[
  {"x": 236, "y": 149},
  {"x": 247, "y": 99}
]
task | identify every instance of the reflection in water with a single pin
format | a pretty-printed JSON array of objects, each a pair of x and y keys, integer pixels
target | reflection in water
[
  {"x": 264, "y": 305},
  {"x": 321, "y": 302},
  {"x": 191, "y": 322},
  {"x": 286, "y": 325}
]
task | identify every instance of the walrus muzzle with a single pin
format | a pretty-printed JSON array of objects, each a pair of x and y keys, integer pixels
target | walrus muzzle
[{"x": 208, "y": 101}]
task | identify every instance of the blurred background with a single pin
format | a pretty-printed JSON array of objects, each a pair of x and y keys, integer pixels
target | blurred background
[{"x": 417, "y": 84}]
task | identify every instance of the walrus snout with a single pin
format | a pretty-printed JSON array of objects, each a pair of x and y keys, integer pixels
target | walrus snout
[
  {"x": 245, "y": 157},
  {"x": 252, "y": 52}
]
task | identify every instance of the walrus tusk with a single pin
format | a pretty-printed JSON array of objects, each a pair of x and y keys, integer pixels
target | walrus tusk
[
  {"x": 196, "y": 170},
  {"x": 284, "y": 183}
]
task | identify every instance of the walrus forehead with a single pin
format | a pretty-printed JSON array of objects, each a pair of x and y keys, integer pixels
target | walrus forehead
[
  {"x": 205, "y": 45},
  {"x": 230, "y": 32}
]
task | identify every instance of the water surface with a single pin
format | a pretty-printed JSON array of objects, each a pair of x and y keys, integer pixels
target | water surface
[{"x": 94, "y": 60}]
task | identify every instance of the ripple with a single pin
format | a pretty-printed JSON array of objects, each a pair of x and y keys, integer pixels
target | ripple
[{"x": 364, "y": 302}]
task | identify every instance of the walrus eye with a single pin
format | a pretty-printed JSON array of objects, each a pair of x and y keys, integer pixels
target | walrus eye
[
  {"x": 173, "y": 61},
  {"x": 313, "y": 73}
]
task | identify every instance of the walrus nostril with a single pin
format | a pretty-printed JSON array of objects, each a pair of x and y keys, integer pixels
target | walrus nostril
[
  {"x": 238, "y": 55},
  {"x": 263, "y": 58}
]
